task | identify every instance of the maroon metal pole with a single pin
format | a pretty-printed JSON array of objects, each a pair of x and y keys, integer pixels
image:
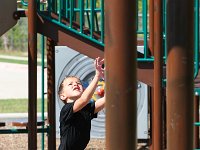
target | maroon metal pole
[
  {"x": 51, "y": 93},
  {"x": 180, "y": 74},
  {"x": 158, "y": 64},
  {"x": 32, "y": 76},
  {"x": 121, "y": 82}
]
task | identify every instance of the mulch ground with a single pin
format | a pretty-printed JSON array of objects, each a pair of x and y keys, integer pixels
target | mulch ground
[{"x": 20, "y": 142}]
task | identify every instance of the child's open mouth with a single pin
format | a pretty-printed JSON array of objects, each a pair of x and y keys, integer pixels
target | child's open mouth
[{"x": 76, "y": 88}]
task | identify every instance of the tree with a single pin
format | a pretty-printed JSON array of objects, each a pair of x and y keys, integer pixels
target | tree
[{"x": 16, "y": 38}]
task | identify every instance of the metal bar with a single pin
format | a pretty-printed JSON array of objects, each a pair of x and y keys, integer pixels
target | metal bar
[
  {"x": 51, "y": 93},
  {"x": 196, "y": 26},
  {"x": 196, "y": 119},
  {"x": 88, "y": 9},
  {"x": 54, "y": 6},
  {"x": 87, "y": 4},
  {"x": 42, "y": 85},
  {"x": 81, "y": 5},
  {"x": 197, "y": 123},
  {"x": 20, "y": 131},
  {"x": 76, "y": 17},
  {"x": 151, "y": 26},
  {"x": 121, "y": 104},
  {"x": 96, "y": 20},
  {"x": 145, "y": 59},
  {"x": 157, "y": 104},
  {"x": 24, "y": 3},
  {"x": 71, "y": 13},
  {"x": 67, "y": 7},
  {"x": 60, "y": 11},
  {"x": 32, "y": 75},
  {"x": 137, "y": 16},
  {"x": 73, "y": 30},
  {"x": 180, "y": 74},
  {"x": 92, "y": 18},
  {"x": 49, "y": 6},
  {"x": 102, "y": 21},
  {"x": 144, "y": 26},
  {"x": 165, "y": 30}
]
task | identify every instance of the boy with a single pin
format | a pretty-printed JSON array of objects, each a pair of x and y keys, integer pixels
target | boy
[{"x": 78, "y": 111}]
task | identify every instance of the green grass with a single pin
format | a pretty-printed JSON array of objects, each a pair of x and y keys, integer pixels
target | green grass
[
  {"x": 18, "y": 106},
  {"x": 19, "y": 54},
  {"x": 13, "y": 53},
  {"x": 14, "y": 61}
]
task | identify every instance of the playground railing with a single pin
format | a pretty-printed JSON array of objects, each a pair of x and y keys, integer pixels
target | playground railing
[{"x": 86, "y": 19}]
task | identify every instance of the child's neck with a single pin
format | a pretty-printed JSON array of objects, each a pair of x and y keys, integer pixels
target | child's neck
[{"x": 70, "y": 101}]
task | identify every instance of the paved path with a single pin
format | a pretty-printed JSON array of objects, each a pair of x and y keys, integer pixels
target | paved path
[{"x": 14, "y": 81}]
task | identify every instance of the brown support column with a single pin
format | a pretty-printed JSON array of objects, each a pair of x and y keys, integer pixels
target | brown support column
[
  {"x": 32, "y": 76},
  {"x": 180, "y": 72},
  {"x": 196, "y": 119},
  {"x": 51, "y": 93},
  {"x": 121, "y": 81},
  {"x": 158, "y": 64}
]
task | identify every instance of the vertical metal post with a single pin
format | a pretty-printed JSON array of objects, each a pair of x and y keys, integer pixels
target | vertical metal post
[
  {"x": 42, "y": 85},
  {"x": 151, "y": 47},
  {"x": 180, "y": 74},
  {"x": 32, "y": 76},
  {"x": 196, "y": 119},
  {"x": 121, "y": 82},
  {"x": 151, "y": 26},
  {"x": 157, "y": 104},
  {"x": 51, "y": 93}
]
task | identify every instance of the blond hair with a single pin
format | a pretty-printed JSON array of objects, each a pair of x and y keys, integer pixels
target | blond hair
[{"x": 60, "y": 90}]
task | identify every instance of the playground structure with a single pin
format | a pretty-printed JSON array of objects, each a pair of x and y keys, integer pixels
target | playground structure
[{"x": 169, "y": 64}]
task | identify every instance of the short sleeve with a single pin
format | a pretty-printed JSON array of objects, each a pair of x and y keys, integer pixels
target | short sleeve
[
  {"x": 92, "y": 105},
  {"x": 65, "y": 117},
  {"x": 66, "y": 112}
]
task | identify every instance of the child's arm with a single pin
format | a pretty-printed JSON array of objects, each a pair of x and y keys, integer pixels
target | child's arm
[
  {"x": 89, "y": 91},
  {"x": 99, "y": 104}
]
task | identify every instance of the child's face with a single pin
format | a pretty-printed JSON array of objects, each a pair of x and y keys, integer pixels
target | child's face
[{"x": 73, "y": 88}]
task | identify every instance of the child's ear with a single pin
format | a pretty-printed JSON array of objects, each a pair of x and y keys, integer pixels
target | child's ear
[{"x": 63, "y": 97}]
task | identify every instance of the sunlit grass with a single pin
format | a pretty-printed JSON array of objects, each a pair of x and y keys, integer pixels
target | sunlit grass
[
  {"x": 13, "y": 53},
  {"x": 15, "y": 61},
  {"x": 18, "y": 106}
]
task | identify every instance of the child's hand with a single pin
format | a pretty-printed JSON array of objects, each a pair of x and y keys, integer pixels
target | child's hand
[{"x": 99, "y": 67}]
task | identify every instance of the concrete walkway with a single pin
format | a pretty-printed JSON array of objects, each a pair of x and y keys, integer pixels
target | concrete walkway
[
  {"x": 14, "y": 81},
  {"x": 23, "y": 117}
]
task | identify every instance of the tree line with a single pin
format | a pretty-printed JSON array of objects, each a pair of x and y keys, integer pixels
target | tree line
[{"x": 16, "y": 38}]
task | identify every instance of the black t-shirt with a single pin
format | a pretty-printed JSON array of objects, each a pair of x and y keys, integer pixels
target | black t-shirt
[{"x": 75, "y": 127}]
